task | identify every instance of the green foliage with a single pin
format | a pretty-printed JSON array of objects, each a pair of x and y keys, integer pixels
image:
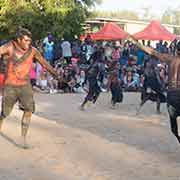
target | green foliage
[
  {"x": 172, "y": 16},
  {"x": 167, "y": 17},
  {"x": 61, "y": 17}
]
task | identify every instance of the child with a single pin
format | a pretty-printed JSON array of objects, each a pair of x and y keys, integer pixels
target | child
[
  {"x": 43, "y": 80},
  {"x": 114, "y": 85}
]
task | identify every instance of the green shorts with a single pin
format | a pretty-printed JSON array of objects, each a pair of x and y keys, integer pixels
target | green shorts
[{"x": 21, "y": 94}]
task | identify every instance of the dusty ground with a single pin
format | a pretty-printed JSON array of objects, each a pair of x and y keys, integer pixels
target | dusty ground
[{"x": 96, "y": 144}]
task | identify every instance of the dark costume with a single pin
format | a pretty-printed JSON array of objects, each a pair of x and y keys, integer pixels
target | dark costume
[
  {"x": 94, "y": 88},
  {"x": 173, "y": 94},
  {"x": 116, "y": 89},
  {"x": 152, "y": 88}
]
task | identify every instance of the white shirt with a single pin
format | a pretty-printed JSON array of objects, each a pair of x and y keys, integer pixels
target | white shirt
[{"x": 66, "y": 49}]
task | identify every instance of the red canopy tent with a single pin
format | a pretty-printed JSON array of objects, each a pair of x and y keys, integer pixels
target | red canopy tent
[
  {"x": 110, "y": 31},
  {"x": 155, "y": 31}
]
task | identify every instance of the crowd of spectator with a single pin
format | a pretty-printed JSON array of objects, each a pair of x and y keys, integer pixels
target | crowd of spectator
[{"x": 71, "y": 59}]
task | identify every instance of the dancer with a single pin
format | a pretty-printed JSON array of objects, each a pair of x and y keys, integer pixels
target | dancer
[
  {"x": 173, "y": 93},
  {"x": 114, "y": 85},
  {"x": 94, "y": 88},
  {"x": 92, "y": 76},
  {"x": 152, "y": 88},
  {"x": 17, "y": 85}
]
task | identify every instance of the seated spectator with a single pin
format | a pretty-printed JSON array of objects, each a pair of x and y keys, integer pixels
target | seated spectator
[
  {"x": 116, "y": 54},
  {"x": 108, "y": 52},
  {"x": 135, "y": 83},
  {"x": 33, "y": 75},
  {"x": 75, "y": 65},
  {"x": 80, "y": 80},
  {"x": 128, "y": 79},
  {"x": 52, "y": 84},
  {"x": 66, "y": 82},
  {"x": 43, "y": 81},
  {"x": 38, "y": 74}
]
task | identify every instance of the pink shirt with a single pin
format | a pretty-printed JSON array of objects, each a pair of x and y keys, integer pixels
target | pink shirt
[
  {"x": 32, "y": 73},
  {"x": 116, "y": 55}
]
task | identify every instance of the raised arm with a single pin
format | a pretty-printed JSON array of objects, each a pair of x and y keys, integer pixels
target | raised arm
[
  {"x": 45, "y": 64},
  {"x": 4, "y": 49},
  {"x": 162, "y": 57}
]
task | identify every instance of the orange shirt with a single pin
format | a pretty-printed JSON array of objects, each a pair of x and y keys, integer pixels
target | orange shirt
[{"x": 18, "y": 74}]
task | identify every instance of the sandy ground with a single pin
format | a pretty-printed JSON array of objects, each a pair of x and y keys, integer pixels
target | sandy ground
[{"x": 96, "y": 144}]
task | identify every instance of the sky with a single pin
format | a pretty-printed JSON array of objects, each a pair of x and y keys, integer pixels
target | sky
[{"x": 157, "y": 7}]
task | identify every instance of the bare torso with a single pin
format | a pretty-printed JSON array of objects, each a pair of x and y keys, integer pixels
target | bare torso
[{"x": 174, "y": 73}]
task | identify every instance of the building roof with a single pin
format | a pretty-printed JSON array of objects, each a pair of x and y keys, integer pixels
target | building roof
[{"x": 101, "y": 20}]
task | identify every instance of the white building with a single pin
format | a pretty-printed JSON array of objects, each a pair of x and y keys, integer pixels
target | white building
[{"x": 129, "y": 26}]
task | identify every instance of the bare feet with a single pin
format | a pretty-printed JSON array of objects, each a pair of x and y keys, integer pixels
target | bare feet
[{"x": 24, "y": 143}]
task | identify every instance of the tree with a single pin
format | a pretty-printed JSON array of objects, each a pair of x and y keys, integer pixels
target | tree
[
  {"x": 172, "y": 16},
  {"x": 146, "y": 14},
  {"x": 61, "y": 17},
  {"x": 167, "y": 17}
]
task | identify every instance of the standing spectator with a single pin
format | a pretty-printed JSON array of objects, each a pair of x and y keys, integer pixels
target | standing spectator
[
  {"x": 165, "y": 47},
  {"x": 125, "y": 54},
  {"x": 45, "y": 40},
  {"x": 140, "y": 57},
  {"x": 76, "y": 48},
  {"x": 49, "y": 49},
  {"x": 87, "y": 49},
  {"x": 108, "y": 52},
  {"x": 66, "y": 51},
  {"x": 149, "y": 43},
  {"x": 172, "y": 47},
  {"x": 159, "y": 46}
]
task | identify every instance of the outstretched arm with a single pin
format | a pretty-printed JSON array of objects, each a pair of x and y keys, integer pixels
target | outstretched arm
[
  {"x": 162, "y": 57},
  {"x": 4, "y": 49},
  {"x": 45, "y": 64}
]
